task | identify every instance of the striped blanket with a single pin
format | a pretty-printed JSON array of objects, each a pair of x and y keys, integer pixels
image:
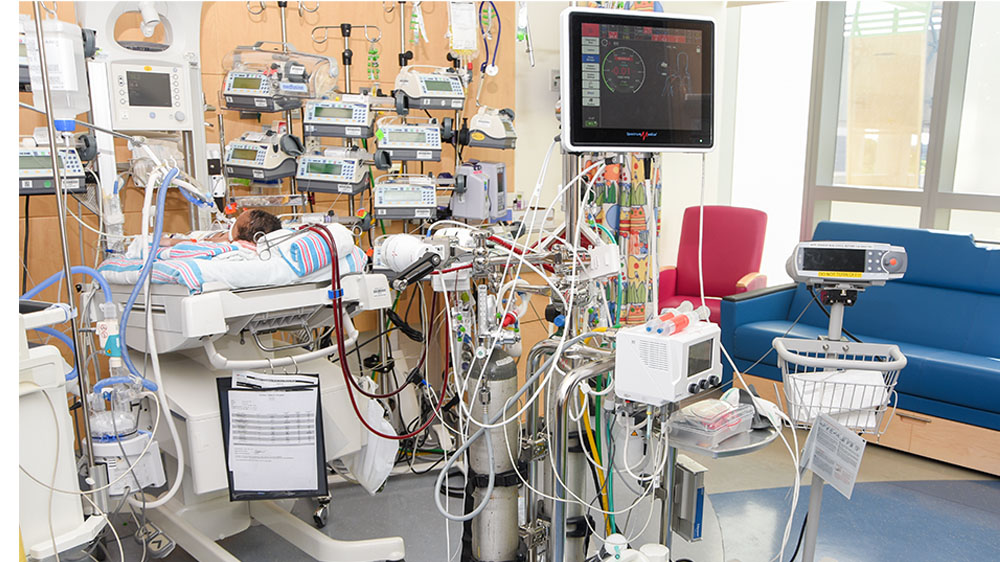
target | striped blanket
[
  {"x": 196, "y": 263},
  {"x": 125, "y": 271},
  {"x": 309, "y": 252}
]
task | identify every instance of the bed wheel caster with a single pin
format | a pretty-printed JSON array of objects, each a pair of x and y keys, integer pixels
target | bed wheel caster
[{"x": 322, "y": 512}]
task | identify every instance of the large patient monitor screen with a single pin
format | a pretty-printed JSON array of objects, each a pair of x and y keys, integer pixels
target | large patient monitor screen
[{"x": 640, "y": 81}]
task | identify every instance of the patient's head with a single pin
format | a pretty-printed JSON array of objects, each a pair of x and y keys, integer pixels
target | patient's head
[{"x": 252, "y": 221}]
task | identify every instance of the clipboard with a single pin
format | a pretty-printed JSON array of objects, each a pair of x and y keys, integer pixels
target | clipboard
[{"x": 267, "y": 463}]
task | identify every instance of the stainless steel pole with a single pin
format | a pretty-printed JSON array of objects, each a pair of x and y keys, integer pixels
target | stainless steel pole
[
  {"x": 78, "y": 361},
  {"x": 557, "y": 545}
]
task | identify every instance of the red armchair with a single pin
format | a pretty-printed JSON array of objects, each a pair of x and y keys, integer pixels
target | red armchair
[{"x": 732, "y": 247}]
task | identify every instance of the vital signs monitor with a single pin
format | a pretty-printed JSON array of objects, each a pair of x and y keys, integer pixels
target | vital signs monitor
[{"x": 636, "y": 82}]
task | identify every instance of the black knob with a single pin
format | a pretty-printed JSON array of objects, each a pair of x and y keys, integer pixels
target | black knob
[
  {"x": 713, "y": 381},
  {"x": 703, "y": 383},
  {"x": 693, "y": 388}
]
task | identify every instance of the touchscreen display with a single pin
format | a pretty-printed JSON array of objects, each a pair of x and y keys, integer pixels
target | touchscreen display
[{"x": 640, "y": 81}]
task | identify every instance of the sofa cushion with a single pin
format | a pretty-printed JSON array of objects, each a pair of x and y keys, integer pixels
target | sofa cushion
[
  {"x": 954, "y": 377},
  {"x": 941, "y": 318}
]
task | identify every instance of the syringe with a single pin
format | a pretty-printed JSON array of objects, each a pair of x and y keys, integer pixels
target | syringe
[
  {"x": 656, "y": 324},
  {"x": 681, "y": 321}
]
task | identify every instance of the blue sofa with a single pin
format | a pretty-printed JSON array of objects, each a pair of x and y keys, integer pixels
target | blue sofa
[{"x": 944, "y": 315}]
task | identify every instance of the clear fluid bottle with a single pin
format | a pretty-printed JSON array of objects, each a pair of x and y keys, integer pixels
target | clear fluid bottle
[{"x": 67, "y": 70}]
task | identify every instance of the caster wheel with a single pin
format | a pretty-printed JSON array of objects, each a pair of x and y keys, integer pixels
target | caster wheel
[{"x": 320, "y": 515}]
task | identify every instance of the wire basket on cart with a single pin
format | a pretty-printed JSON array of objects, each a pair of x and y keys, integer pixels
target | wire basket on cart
[{"x": 851, "y": 382}]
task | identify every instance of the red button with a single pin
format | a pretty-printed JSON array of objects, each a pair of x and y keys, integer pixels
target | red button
[{"x": 892, "y": 261}]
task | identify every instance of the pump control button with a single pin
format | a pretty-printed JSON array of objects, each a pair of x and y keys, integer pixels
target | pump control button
[{"x": 693, "y": 388}]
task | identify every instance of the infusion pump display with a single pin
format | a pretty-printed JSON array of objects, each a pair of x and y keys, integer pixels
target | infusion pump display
[
  {"x": 410, "y": 142},
  {"x": 35, "y": 171},
  {"x": 636, "y": 81},
  {"x": 405, "y": 197},
  {"x": 149, "y": 97},
  {"x": 831, "y": 262},
  {"x": 349, "y": 117},
  {"x": 331, "y": 174},
  {"x": 439, "y": 89}
]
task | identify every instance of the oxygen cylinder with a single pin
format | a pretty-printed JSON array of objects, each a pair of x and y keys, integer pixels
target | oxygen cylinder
[{"x": 495, "y": 530}]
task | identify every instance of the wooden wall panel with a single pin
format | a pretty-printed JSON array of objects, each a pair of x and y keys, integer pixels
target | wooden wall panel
[{"x": 226, "y": 25}]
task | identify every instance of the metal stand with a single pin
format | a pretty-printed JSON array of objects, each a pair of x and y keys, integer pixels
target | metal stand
[{"x": 834, "y": 333}]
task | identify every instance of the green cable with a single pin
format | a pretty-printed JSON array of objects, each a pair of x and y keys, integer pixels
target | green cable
[
  {"x": 610, "y": 483},
  {"x": 606, "y": 231}
]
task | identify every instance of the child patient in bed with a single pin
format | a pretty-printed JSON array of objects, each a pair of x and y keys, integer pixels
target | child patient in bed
[{"x": 245, "y": 228}]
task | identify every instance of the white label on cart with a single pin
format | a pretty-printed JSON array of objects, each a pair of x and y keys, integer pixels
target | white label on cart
[
  {"x": 260, "y": 102},
  {"x": 422, "y": 213},
  {"x": 260, "y": 174},
  {"x": 26, "y": 183},
  {"x": 353, "y": 131},
  {"x": 344, "y": 188},
  {"x": 71, "y": 184},
  {"x": 424, "y": 155},
  {"x": 457, "y": 103},
  {"x": 834, "y": 453}
]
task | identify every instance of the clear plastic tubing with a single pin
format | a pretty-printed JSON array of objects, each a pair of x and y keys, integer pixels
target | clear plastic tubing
[
  {"x": 681, "y": 321},
  {"x": 656, "y": 324}
]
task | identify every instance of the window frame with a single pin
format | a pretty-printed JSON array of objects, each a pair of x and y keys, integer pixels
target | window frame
[{"x": 937, "y": 197}]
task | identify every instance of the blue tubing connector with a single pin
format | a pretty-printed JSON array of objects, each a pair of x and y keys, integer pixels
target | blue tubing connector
[
  {"x": 63, "y": 338},
  {"x": 76, "y": 269},
  {"x": 161, "y": 197},
  {"x": 101, "y": 384}
]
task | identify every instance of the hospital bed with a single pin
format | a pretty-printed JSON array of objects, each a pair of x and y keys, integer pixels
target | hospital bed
[{"x": 201, "y": 337}]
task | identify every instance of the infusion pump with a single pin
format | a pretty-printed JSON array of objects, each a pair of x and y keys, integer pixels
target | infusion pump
[
  {"x": 262, "y": 156},
  {"x": 35, "y": 171},
  {"x": 405, "y": 197},
  {"x": 441, "y": 88},
  {"x": 855, "y": 263},
  {"x": 333, "y": 172},
  {"x": 265, "y": 92},
  {"x": 347, "y": 117},
  {"x": 492, "y": 128},
  {"x": 410, "y": 141}
]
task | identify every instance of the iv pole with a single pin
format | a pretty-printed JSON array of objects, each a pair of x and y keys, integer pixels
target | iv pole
[{"x": 78, "y": 361}]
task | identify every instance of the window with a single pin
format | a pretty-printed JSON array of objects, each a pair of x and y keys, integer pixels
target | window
[
  {"x": 886, "y": 93},
  {"x": 902, "y": 117},
  {"x": 979, "y": 143}
]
